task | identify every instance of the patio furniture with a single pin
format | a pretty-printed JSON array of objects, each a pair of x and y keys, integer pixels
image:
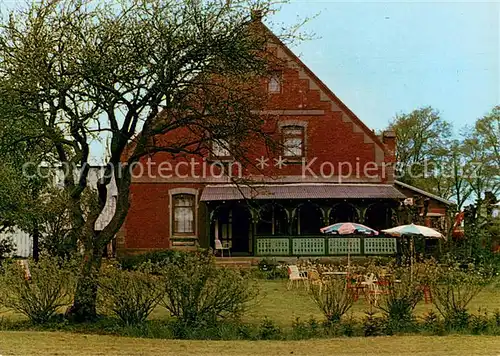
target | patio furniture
[
  {"x": 294, "y": 275},
  {"x": 219, "y": 246},
  {"x": 355, "y": 285},
  {"x": 372, "y": 289},
  {"x": 426, "y": 289},
  {"x": 314, "y": 279}
]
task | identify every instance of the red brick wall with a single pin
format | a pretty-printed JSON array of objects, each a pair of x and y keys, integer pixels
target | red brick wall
[
  {"x": 329, "y": 138},
  {"x": 148, "y": 221}
]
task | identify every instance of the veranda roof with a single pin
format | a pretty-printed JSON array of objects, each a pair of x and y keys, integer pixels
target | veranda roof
[{"x": 300, "y": 191}]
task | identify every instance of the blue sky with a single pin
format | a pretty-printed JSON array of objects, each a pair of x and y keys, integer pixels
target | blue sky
[{"x": 383, "y": 58}]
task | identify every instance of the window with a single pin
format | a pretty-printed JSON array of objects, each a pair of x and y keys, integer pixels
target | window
[
  {"x": 220, "y": 148},
  {"x": 184, "y": 209},
  {"x": 274, "y": 84},
  {"x": 293, "y": 141}
]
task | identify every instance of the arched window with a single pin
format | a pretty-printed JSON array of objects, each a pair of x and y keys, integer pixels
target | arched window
[
  {"x": 273, "y": 220},
  {"x": 274, "y": 83},
  {"x": 183, "y": 214},
  {"x": 378, "y": 216},
  {"x": 308, "y": 220},
  {"x": 343, "y": 212}
]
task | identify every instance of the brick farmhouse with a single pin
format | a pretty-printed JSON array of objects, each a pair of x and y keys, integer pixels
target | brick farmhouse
[{"x": 331, "y": 168}]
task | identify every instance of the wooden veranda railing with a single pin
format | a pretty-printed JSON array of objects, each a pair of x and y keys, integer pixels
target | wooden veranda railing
[{"x": 328, "y": 245}]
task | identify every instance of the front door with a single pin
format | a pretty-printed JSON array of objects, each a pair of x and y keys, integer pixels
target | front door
[{"x": 232, "y": 226}]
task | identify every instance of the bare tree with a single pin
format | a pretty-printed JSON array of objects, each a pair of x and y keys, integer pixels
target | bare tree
[{"x": 152, "y": 76}]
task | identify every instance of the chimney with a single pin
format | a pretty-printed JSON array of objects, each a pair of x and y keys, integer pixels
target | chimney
[
  {"x": 389, "y": 141},
  {"x": 257, "y": 15}
]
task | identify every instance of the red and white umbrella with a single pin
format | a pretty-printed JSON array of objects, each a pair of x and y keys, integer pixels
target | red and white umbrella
[
  {"x": 348, "y": 228},
  {"x": 414, "y": 230}
]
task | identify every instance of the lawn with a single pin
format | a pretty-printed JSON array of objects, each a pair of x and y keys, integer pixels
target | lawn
[
  {"x": 56, "y": 343},
  {"x": 283, "y": 306}
]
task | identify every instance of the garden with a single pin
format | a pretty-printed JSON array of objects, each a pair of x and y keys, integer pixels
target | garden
[{"x": 178, "y": 295}]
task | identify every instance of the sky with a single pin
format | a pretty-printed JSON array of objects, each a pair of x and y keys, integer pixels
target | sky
[{"x": 384, "y": 58}]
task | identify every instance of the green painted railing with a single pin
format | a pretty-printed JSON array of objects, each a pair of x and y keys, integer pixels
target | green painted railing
[{"x": 324, "y": 246}]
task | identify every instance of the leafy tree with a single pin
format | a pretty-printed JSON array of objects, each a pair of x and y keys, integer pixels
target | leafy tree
[
  {"x": 22, "y": 151},
  {"x": 422, "y": 139},
  {"x": 152, "y": 76},
  {"x": 482, "y": 147}
]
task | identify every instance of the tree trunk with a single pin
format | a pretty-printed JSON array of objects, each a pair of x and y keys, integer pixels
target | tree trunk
[
  {"x": 84, "y": 303},
  {"x": 36, "y": 240}
]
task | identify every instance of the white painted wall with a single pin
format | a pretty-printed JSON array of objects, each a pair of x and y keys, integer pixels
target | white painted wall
[{"x": 24, "y": 243}]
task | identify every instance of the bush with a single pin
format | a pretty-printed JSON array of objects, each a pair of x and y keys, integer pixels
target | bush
[
  {"x": 199, "y": 293},
  {"x": 400, "y": 301},
  {"x": 130, "y": 295},
  {"x": 268, "y": 330},
  {"x": 372, "y": 325},
  {"x": 306, "y": 330},
  {"x": 452, "y": 291},
  {"x": 496, "y": 318},
  {"x": 479, "y": 323},
  {"x": 432, "y": 323},
  {"x": 159, "y": 258},
  {"x": 334, "y": 298},
  {"x": 50, "y": 287},
  {"x": 270, "y": 269}
]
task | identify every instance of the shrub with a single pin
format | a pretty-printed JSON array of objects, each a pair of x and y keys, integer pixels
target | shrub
[
  {"x": 479, "y": 323},
  {"x": 51, "y": 287},
  {"x": 306, "y": 330},
  {"x": 400, "y": 300},
  {"x": 268, "y": 330},
  {"x": 432, "y": 323},
  {"x": 130, "y": 295},
  {"x": 452, "y": 291},
  {"x": 496, "y": 317},
  {"x": 199, "y": 293},
  {"x": 160, "y": 258},
  {"x": 334, "y": 298},
  {"x": 372, "y": 325},
  {"x": 270, "y": 269}
]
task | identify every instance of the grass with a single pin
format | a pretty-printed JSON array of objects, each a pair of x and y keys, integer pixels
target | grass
[
  {"x": 283, "y": 306},
  {"x": 56, "y": 343}
]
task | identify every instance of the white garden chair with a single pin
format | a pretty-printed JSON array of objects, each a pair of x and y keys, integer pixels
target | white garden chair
[
  {"x": 294, "y": 275},
  {"x": 372, "y": 290},
  {"x": 219, "y": 246}
]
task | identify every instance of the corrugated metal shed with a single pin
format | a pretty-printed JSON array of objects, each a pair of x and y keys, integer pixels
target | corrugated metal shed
[{"x": 301, "y": 191}]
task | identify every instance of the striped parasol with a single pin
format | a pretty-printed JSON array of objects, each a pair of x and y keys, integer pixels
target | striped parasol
[
  {"x": 414, "y": 230},
  {"x": 348, "y": 228}
]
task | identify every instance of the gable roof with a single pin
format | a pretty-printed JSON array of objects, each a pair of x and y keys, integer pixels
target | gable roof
[
  {"x": 423, "y": 192},
  {"x": 323, "y": 87}
]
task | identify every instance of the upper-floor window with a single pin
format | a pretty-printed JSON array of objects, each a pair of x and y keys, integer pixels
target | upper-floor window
[
  {"x": 293, "y": 141},
  {"x": 220, "y": 148},
  {"x": 274, "y": 84},
  {"x": 183, "y": 213}
]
